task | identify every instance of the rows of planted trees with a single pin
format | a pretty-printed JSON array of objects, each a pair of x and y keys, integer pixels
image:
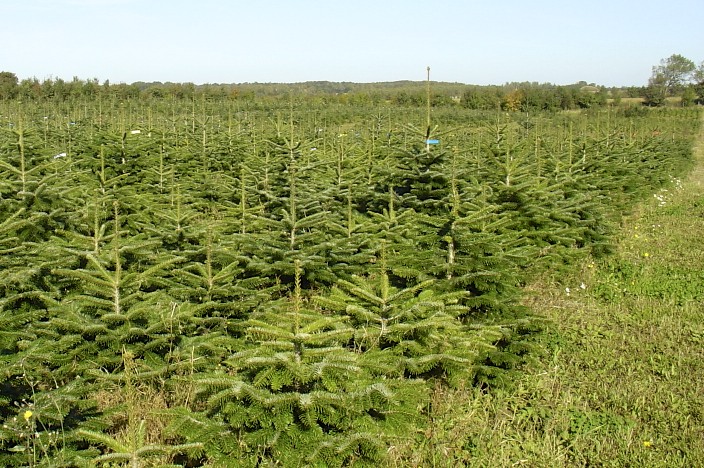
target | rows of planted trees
[{"x": 193, "y": 283}]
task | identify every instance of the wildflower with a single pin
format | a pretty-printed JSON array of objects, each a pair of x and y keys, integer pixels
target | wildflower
[
  {"x": 591, "y": 265},
  {"x": 647, "y": 443},
  {"x": 646, "y": 254},
  {"x": 567, "y": 290},
  {"x": 27, "y": 414},
  {"x": 582, "y": 286}
]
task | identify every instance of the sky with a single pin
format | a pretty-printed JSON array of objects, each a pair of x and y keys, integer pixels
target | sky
[{"x": 609, "y": 43}]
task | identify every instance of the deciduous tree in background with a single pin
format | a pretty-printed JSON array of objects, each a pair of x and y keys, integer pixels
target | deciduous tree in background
[
  {"x": 676, "y": 71},
  {"x": 8, "y": 85},
  {"x": 656, "y": 91},
  {"x": 699, "y": 83},
  {"x": 670, "y": 78}
]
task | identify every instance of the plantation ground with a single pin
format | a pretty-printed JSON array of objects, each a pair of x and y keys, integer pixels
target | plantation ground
[{"x": 620, "y": 382}]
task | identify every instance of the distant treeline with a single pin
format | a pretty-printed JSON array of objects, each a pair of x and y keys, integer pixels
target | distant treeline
[{"x": 510, "y": 96}]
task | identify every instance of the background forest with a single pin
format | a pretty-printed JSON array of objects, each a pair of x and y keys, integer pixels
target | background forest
[{"x": 676, "y": 79}]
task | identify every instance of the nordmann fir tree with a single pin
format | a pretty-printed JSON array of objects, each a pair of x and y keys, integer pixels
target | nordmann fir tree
[
  {"x": 113, "y": 295},
  {"x": 112, "y": 305},
  {"x": 33, "y": 202},
  {"x": 348, "y": 249},
  {"x": 417, "y": 324},
  {"x": 457, "y": 237},
  {"x": 532, "y": 203},
  {"x": 21, "y": 305},
  {"x": 298, "y": 394},
  {"x": 29, "y": 180},
  {"x": 213, "y": 280},
  {"x": 292, "y": 226}
]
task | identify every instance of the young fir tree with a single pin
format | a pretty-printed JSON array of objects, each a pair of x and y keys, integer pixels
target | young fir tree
[
  {"x": 44, "y": 399},
  {"x": 299, "y": 395},
  {"x": 36, "y": 403},
  {"x": 112, "y": 298},
  {"x": 421, "y": 180},
  {"x": 417, "y": 323},
  {"x": 213, "y": 280},
  {"x": 32, "y": 181},
  {"x": 172, "y": 219},
  {"x": 342, "y": 190},
  {"x": 519, "y": 180},
  {"x": 292, "y": 229}
]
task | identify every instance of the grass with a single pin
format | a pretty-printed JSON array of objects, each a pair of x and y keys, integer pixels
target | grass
[{"x": 621, "y": 380}]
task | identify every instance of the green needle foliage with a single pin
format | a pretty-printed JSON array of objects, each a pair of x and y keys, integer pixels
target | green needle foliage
[
  {"x": 299, "y": 394},
  {"x": 417, "y": 324}
]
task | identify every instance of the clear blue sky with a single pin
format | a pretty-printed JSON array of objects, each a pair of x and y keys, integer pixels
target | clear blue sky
[{"x": 612, "y": 43}]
